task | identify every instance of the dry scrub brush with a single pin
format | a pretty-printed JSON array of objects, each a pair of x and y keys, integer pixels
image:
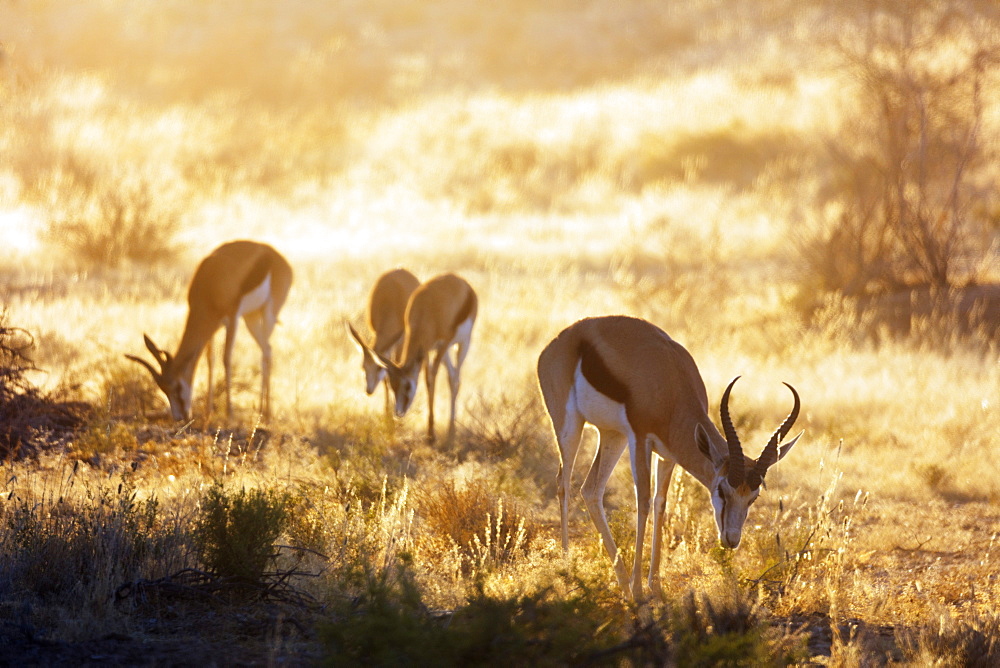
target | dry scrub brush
[
  {"x": 70, "y": 540},
  {"x": 483, "y": 529},
  {"x": 31, "y": 419},
  {"x": 912, "y": 195},
  {"x": 104, "y": 217}
]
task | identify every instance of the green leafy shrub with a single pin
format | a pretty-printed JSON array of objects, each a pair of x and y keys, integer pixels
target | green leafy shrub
[
  {"x": 385, "y": 623},
  {"x": 389, "y": 624},
  {"x": 235, "y": 531}
]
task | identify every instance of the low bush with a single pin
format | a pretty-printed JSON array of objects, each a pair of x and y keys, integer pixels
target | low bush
[
  {"x": 728, "y": 630},
  {"x": 733, "y": 156},
  {"x": 235, "y": 531},
  {"x": 125, "y": 394},
  {"x": 389, "y": 624}
]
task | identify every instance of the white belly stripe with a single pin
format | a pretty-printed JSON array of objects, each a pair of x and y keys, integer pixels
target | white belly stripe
[
  {"x": 596, "y": 408},
  {"x": 256, "y": 298},
  {"x": 463, "y": 333}
]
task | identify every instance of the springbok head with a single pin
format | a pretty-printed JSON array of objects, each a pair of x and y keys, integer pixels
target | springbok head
[
  {"x": 403, "y": 380},
  {"x": 169, "y": 379},
  {"x": 738, "y": 478},
  {"x": 374, "y": 370}
]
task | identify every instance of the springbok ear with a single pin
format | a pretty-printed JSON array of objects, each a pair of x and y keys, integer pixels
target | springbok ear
[
  {"x": 704, "y": 443},
  {"x": 783, "y": 450},
  {"x": 357, "y": 337}
]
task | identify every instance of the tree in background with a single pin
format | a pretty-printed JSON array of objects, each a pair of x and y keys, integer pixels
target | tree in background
[{"x": 913, "y": 198}]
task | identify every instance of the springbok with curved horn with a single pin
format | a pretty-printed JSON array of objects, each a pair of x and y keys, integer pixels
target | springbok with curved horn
[
  {"x": 642, "y": 391},
  {"x": 439, "y": 316},
  {"x": 239, "y": 278},
  {"x": 386, "y": 319}
]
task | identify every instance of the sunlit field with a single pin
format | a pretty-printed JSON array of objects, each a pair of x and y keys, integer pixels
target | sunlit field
[{"x": 670, "y": 161}]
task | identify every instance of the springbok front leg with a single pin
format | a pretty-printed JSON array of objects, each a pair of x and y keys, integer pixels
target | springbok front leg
[
  {"x": 664, "y": 469},
  {"x": 261, "y": 324},
  {"x": 455, "y": 379}
]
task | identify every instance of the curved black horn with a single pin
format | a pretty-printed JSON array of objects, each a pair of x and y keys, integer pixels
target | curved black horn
[
  {"x": 770, "y": 454},
  {"x": 736, "y": 471},
  {"x": 161, "y": 356},
  {"x": 156, "y": 374},
  {"x": 789, "y": 422}
]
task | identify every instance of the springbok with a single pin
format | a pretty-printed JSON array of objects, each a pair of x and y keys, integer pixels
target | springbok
[
  {"x": 439, "y": 316},
  {"x": 239, "y": 278},
  {"x": 386, "y": 317},
  {"x": 642, "y": 390}
]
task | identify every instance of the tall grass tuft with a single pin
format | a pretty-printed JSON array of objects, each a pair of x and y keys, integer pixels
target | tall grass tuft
[
  {"x": 727, "y": 629},
  {"x": 486, "y": 529},
  {"x": 59, "y": 547},
  {"x": 969, "y": 642}
]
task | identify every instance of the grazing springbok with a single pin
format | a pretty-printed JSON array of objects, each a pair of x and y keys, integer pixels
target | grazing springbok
[
  {"x": 239, "y": 278},
  {"x": 439, "y": 316},
  {"x": 386, "y": 319},
  {"x": 642, "y": 390}
]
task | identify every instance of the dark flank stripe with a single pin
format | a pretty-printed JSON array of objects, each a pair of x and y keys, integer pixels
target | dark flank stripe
[
  {"x": 598, "y": 375},
  {"x": 466, "y": 310}
]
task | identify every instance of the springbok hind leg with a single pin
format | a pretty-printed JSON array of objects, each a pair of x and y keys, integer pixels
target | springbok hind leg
[
  {"x": 609, "y": 451},
  {"x": 461, "y": 347},
  {"x": 257, "y": 323},
  {"x": 210, "y": 358},
  {"x": 568, "y": 437}
]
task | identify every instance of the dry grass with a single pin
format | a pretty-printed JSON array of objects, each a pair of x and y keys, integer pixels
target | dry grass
[{"x": 568, "y": 161}]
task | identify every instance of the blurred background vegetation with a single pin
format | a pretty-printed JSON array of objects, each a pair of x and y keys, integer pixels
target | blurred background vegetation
[{"x": 871, "y": 125}]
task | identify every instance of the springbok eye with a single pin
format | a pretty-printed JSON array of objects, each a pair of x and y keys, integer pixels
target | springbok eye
[{"x": 719, "y": 492}]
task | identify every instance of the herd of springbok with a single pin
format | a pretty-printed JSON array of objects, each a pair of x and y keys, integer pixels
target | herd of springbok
[{"x": 624, "y": 376}]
